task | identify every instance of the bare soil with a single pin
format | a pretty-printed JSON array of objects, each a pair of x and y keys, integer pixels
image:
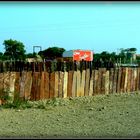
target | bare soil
[{"x": 100, "y": 116}]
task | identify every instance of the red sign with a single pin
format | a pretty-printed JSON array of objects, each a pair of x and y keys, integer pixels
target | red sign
[{"x": 79, "y": 55}]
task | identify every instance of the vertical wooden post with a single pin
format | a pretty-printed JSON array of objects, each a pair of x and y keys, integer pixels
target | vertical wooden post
[
  {"x": 28, "y": 84},
  {"x": 99, "y": 87},
  {"x": 35, "y": 86},
  {"x": 132, "y": 80},
  {"x": 122, "y": 80},
  {"x": 102, "y": 80},
  {"x": 115, "y": 81},
  {"x": 52, "y": 84},
  {"x": 60, "y": 85},
  {"x": 74, "y": 84},
  {"x": 135, "y": 78},
  {"x": 91, "y": 84},
  {"x": 56, "y": 84},
  {"x": 125, "y": 80},
  {"x": 11, "y": 83},
  {"x": 46, "y": 85},
  {"x": 107, "y": 82},
  {"x": 95, "y": 86},
  {"x": 111, "y": 73},
  {"x": 138, "y": 79},
  {"x": 78, "y": 78},
  {"x": 82, "y": 87},
  {"x": 22, "y": 85},
  {"x": 119, "y": 80},
  {"x": 70, "y": 81},
  {"x": 17, "y": 86},
  {"x": 42, "y": 85},
  {"x": 128, "y": 80},
  {"x": 38, "y": 85},
  {"x": 87, "y": 82},
  {"x": 65, "y": 84}
]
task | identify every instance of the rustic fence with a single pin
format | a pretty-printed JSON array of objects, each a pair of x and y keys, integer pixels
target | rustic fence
[
  {"x": 71, "y": 80},
  {"x": 50, "y": 66}
]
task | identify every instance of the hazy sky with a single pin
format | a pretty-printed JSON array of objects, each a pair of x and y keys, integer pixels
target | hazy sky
[{"x": 97, "y": 26}]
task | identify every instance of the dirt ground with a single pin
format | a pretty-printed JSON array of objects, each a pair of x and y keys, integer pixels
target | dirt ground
[{"x": 100, "y": 116}]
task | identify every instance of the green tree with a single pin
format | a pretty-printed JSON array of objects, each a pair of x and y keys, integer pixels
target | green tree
[
  {"x": 105, "y": 55},
  {"x": 1, "y": 56},
  {"x": 31, "y": 55},
  {"x": 52, "y": 52},
  {"x": 132, "y": 49},
  {"x": 14, "y": 50}
]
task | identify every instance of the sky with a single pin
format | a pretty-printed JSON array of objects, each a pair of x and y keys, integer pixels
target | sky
[{"x": 97, "y": 26}]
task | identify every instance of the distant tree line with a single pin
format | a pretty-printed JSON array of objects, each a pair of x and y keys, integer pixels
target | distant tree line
[{"x": 15, "y": 50}]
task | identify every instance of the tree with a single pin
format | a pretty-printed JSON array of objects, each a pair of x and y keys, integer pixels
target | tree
[
  {"x": 1, "y": 56},
  {"x": 132, "y": 49},
  {"x": 52, "y": 52},
  {"x": 14, "y": 50},
  {"x": 31, "y": 55}
]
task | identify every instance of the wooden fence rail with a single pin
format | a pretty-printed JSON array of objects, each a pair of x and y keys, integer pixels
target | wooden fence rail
[{"x": 30, "y": 85}]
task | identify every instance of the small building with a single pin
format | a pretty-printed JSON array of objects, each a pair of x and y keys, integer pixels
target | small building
[
  {"x": 37, "y": 58},
  {"x": 78, "y": 55}
]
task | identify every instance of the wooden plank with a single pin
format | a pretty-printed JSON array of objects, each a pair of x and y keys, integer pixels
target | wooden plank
[
  {"x": 65, "y": 83},
  {"x": 99, "y": 87},
  {"x": 28, "y": 85},
  {"x": 56, "y": 84},
  {"x": 107, "y": 82},
  {"x": 87, "y": 82},
  {"x": 115, "y": 81},
  {"x": 138, "y": 80},
  {"x": 135, "y": 78},
  {"x": 102, "y": 81},
  {"x": 34, "y": 85},
  {"x": 125, "y": 80},
  {"x": 42, "y": 85},
  {"x": 46, "y": 85},
  {"x": 74, "y": 84},
  {"x": 38, "y": 85},
  {"x": 12, "y": 82},
  {"x": 111, "y": 73},
  {"x": 95, "y": 85},
  {"x": 91, "y": 84},
  {"x": 17, "y": 86},
  {"x": 119, "y": 80},
  {"x": 52, "y": 86},
  {"x": 6, "y": 79},
  {"x": 22, "y": 85},
  {"x": 78, "y": 78},
  {"x": 134, "y": 74},
  {"x": 70, "y": 81},
  {"x": 131, "y": 80},
  {"x": 60, "y": 85},
  {"x": 9, "y": 84},
  {"x": 130, "y": 75},
  {"x": 128, "y": 80},
  {"x": 82, "y": 87}
]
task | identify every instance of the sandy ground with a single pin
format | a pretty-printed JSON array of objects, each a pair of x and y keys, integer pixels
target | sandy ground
[{"x": 100, "y": 116}]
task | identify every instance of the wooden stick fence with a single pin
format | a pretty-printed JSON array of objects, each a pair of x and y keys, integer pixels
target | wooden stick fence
[
  {"x": 31, "y": 85},
  {"x": 19, "y": 66}
]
